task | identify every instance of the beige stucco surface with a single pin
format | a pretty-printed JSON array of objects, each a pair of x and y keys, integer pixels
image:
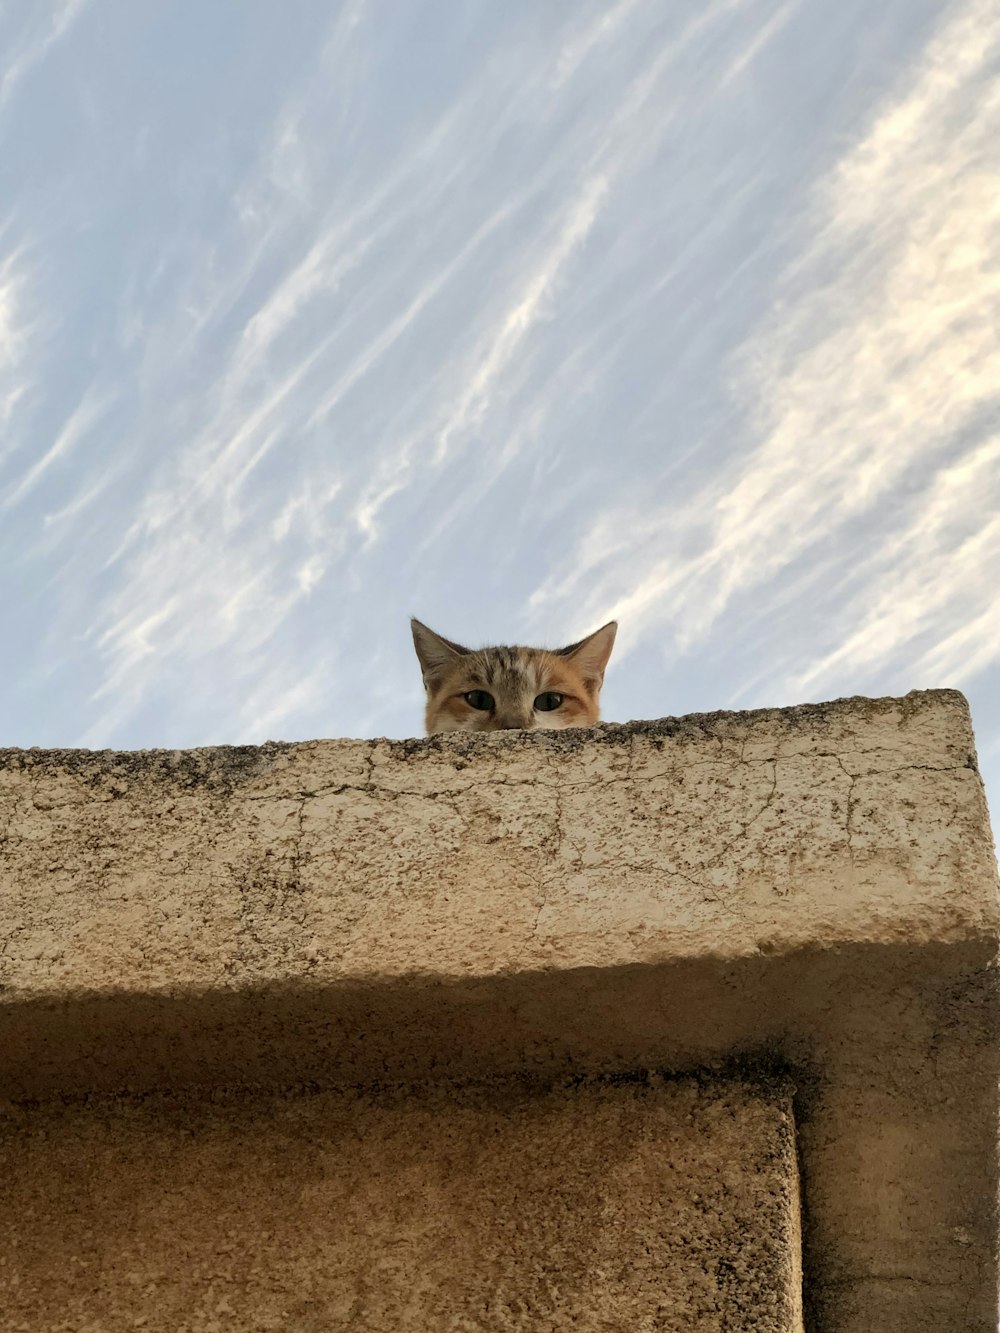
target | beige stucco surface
[
  {"x": 334, "y": 861},
  {"x": 666, "y": 1206},
  {"x": 810, "y": 890}
]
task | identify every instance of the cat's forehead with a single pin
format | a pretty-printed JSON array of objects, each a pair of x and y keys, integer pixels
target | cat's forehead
[
  {"x": 513, "y": 668},
  {"x": 499, "y": 667}
]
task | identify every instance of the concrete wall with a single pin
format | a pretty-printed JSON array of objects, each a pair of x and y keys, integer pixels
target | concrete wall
[
  {"x": 602, "y": 1206},
  {"x": 805, "y": 895}
]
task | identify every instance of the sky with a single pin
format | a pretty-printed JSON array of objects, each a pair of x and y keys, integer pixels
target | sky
[{"x": 514, "y": 317}]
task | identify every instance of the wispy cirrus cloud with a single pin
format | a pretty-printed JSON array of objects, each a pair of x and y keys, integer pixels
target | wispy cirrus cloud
[
  {"x": 930, "y": 588},
  {"x": 514, "y": 323},
  {"x": 77, "y": 426},
  {"x": 354, "y": 275},
  {"x": 30, "y": 47},
  {"x": 19, "y": 329},
  {"x": 871, "y": 393}
]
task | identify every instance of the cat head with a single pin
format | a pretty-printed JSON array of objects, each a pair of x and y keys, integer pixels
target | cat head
[{"x": 496, "y": 689}]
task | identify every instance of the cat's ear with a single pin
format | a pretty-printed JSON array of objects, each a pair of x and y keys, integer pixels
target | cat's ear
[
  {"x": 435, "y": 654},
  {"x": 590, "y": 655}
]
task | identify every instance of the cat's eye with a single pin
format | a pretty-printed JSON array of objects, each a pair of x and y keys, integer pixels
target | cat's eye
[
  {"x": 479, "y": 699},
  {"x": 547, "y": 701}
]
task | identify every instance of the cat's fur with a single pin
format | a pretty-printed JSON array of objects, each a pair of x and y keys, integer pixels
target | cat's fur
[{"x": 514, "y": 679}]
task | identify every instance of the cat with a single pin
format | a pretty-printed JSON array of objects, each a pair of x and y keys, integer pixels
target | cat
[{"x": 500, "y": 689}]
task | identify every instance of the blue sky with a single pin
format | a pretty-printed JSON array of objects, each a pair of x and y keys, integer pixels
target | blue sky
[{"x": 516, "y": 317}]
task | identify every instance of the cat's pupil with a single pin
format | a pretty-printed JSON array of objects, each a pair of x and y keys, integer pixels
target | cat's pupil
[
  {"x": 547, "y": 701},
  {"x": 479, "y": 699}
]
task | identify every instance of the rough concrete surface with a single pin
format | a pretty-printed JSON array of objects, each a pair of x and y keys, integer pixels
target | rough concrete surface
[
  {"x": 810, "y": 889},
  {"x": 716, "y": 836},
  {"x": 647, "y": 1206}
]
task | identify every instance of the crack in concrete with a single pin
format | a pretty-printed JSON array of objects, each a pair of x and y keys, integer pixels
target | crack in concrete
[
  {"x": 849, "y": 817},
  {"x": 372, "y": 788}
]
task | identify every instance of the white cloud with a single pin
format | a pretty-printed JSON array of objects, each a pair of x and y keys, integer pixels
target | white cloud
[
  {"x": 936, "y": 577},
  {"x": 78, "y": 425},
  {"x": 528, "y": 307},
  {"x": 32, "y": 49},
  {"x": 765, "y": 34},
  {"x": 20, "y": 331},
  {"x": 271, "y": 706},
  {"x": 581, "y": 44},
  {"x": 883, "y": 354},
  {"x": 459, "y": 301}
]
